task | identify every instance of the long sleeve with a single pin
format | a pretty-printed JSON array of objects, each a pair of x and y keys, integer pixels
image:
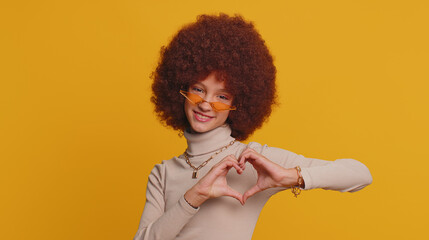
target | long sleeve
[
  {"x": 156, "y": 222},
  {"x": 345, "y": 175}
]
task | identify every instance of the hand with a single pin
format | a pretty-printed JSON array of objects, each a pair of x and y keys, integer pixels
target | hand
[
  {"x": 214, "y": 183},
  {"x": 270, "y": 174}
]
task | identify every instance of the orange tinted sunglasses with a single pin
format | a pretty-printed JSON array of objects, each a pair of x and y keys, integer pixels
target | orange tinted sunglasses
[{"x": 196, "y": 99}]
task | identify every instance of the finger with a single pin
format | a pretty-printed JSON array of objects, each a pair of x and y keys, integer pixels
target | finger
[
  {"x": 227, "y": 158},
  {"x": 243, "y": 155},
  {"x": 249, "y": 156},
  {"x": 242, "y": 165},
  {"x": 230, "y": 158},
  {"x": 235, "y": 160},
  {"x": 236, "y": 166},
  {"x": 252, "y": 191},
  {"x": 232, "y": 193},
  {"x": 256, "y": 159},
  {"x": 221, "y": 168},
  {"x": 228, "y": 163}
]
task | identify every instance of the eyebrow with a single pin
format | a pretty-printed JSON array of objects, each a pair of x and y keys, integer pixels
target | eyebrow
[{"x": 219, "y": 90}]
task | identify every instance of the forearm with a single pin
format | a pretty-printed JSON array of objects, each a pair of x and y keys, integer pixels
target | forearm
[
  {"x": 168, "y": 225},
  {"x": 345, "y": 175},
  {"x": 159, "y": 221}
]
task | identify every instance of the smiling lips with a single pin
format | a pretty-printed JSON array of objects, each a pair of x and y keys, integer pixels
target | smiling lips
[{"x": 201, "y": 117}]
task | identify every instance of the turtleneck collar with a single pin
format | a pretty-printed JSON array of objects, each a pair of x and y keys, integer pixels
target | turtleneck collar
[{"x": 202, "y": 143}]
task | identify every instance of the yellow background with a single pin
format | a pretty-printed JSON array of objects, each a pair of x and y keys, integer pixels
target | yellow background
[{"x": 78, "y": 136}]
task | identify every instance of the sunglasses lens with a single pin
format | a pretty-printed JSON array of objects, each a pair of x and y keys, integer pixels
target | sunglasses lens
[
  {"x": 220, "y": 106},
  {"x": 196, "y": 99}
]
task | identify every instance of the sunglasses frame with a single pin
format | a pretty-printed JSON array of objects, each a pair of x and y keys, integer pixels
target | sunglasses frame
[{"x": 185, "y": 94}]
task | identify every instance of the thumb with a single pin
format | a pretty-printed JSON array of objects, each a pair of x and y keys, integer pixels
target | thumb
[
  {"x": 232, "y": 193},
  {"x": 252, "y": 191}
]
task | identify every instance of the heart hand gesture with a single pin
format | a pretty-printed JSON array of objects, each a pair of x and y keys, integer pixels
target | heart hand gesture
[
  {"x": 214, "y": 183},
  {"x": 270, "y": 174}
]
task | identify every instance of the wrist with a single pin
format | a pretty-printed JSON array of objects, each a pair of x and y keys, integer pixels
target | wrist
[
  {"x": 290, "y": 178},
  {"x": 194, "y": 197}
]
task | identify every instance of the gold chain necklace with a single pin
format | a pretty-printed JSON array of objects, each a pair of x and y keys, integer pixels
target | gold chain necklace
[{"x": 195, "y": 172}]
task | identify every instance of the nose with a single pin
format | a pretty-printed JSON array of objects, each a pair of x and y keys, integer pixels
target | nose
[{"x": 205, "y": 106}]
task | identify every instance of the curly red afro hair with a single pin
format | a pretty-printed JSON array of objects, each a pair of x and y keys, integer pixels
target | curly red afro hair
[{"x": 230, "y": 47}]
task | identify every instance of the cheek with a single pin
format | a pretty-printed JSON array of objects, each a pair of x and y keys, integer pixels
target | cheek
[
  {"x": 186, "y": 106},
  {"x": 224, "y": 115},
  {"x": 187, "y": 109}
]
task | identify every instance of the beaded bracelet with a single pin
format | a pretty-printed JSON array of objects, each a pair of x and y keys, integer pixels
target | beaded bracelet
[{"x": 296, "y": 190}]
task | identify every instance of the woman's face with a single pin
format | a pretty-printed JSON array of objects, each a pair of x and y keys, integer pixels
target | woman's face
[{"x": 202, "y": 117}]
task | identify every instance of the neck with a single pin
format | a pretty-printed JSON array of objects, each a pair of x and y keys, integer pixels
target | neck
[{"x": 207, "y": 142}]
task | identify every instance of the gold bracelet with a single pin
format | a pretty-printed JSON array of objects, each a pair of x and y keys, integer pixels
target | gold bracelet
[{"x": 296, "y": 190}]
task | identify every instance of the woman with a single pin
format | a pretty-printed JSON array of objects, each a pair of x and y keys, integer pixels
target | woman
[{"x": 215, "y": 83}]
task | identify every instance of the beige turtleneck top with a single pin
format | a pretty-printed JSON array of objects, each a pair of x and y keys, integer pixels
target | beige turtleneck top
[{"x": 166, "y": 215}]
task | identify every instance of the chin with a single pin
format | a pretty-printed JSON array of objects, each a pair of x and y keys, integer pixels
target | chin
[{"x": 199, "y": 128}]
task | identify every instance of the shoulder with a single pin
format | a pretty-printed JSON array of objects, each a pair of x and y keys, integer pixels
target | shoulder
[
  {"x": 158, "y": 174},
  {"x": 159, "y": 169}
]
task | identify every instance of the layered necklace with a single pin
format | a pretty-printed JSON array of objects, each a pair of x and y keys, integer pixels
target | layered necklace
[{"x": 195, "y": 172}]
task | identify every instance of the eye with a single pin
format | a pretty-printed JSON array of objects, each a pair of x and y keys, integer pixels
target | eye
[
  {"x": 197, "y": 89},
  {"x": 224, "y": 97}
]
